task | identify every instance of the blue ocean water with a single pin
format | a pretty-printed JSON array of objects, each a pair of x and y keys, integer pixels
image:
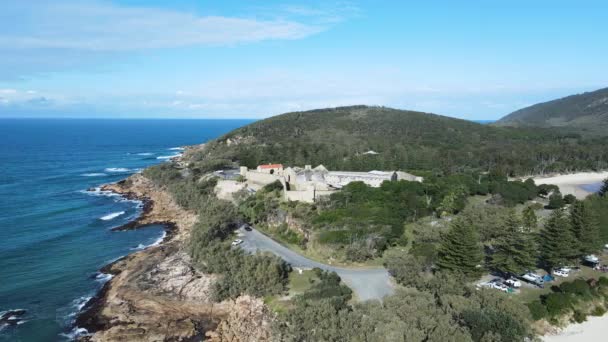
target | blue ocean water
[
  {"x": 595, "y": 187},
  {"x": 54, "y": 235}
]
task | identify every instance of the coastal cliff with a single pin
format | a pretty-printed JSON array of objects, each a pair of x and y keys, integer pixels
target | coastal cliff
[{"x": 157, "y": 295}]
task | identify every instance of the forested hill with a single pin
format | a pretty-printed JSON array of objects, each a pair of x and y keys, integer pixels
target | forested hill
[
  {"x": 587, "y": 111},
  {"x": 340, "y": 137}
]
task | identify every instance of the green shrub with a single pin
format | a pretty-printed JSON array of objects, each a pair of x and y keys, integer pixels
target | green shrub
[
  {"x": 578, "y": 287},
  {"x": 537, "y": 310},
  {"x": 490, "y": 322},
  {"x": 579, "y": 316},
  {"x": 558, "y": 303},
  {"x": 598, "y": 311},
  {"x": 603, "y": 282}
]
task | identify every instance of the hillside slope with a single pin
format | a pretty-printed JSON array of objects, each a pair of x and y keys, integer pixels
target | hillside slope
[
  {"x": 338, "y": 138},
  {"x": 587, "y": 111}
]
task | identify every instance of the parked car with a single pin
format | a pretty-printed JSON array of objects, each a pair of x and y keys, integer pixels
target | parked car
[
  {"x": 237, "y": 242},
  {"x": 534, "y": 279},
  {"x": 513, "y": 283},
  {"x": 591, "y": 260},
  {"x": 561, "y": 273},
  {"x": 486, "y": 284},
  {"x": 501, "y": 287}
]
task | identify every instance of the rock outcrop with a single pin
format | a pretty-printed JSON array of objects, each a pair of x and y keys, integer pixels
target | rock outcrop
[{"x": 156, "y": 294}]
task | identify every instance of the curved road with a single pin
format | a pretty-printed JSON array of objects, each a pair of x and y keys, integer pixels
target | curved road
[{"x": 373, "y": 283}]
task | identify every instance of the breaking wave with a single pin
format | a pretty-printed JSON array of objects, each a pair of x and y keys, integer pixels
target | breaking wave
[
  {"x": 111, "y": 216},
  {"x": 94, "y": 174}
]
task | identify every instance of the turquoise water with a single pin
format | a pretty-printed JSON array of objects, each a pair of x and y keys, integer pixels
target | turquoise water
[{"x": 55, "y": 235}]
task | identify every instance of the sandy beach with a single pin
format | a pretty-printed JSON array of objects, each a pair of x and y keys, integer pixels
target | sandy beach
[
  {"x": 571, "y": 183},
  {"x": 593, "y": 330}
]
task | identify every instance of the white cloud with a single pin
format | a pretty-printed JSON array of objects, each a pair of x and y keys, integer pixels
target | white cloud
[
  {"x": 30, "y": 98},
  {"x": 102, "y": 26}
]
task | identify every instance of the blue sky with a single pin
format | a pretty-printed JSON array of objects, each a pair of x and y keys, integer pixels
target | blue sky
[{"x": 252, "y": 59}]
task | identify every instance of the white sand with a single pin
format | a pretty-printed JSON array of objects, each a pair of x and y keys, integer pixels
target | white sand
[
  {"x": 595, "y": 329},
  {"x": 571, "y": 183}
]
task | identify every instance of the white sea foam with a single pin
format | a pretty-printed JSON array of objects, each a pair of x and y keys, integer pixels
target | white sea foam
[
  {"x": 117, "y": 169},
  {"x": 145, "y": 154},
  {"x": 98, "y": 192},
  {"x": 75, "y": 333},
  {"x": 176, "y": 149},
  {"x": 103, "y": 277},
  {"x": 78, "y": 304},
  {"x": 167, "y": 157},
  {"x": 112, "y": 216},
  {"x": 155, "y": 243},
  {"x": 94, "y": 174},
  {"x": 159, "y": 240}
]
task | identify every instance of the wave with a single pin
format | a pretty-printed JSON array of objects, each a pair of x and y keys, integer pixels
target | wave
[
  {"x": 98, "y": 192},
  {"x": 167, "y": 157},
  {"x": 118, "y": 169},
  {"x": 155, "y": 243},
  {"x": 79, "y": 303},
  {"x": 94, "y": 174},
  {"x": 75, "y": 333},
  {"x": 103, "y": 277},
  {"x": 176, "y": 149},
  {"x": 145, "y": 154},
  {"x": 111, "y": 216}
]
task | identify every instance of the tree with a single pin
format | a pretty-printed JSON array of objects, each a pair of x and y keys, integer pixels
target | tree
[
  {"x": 556, "y": 201},
  {"x": 557, "y": 243},
  {"x": 585, "y": 227},
  {"x": 604, "y": 189},
  {"x": 569, "y": 199},
  {"x": 530, "y": 221},
  {"x": 515, "y": 251},
  {"x": 460, "y": 250}
]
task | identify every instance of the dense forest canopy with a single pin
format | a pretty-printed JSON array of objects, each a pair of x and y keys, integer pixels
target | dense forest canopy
[
  {"x": 338, "y": 138},
  {"x": 587, "y": 112}
]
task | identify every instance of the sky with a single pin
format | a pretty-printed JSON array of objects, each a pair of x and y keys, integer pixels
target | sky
[{"x": 253, "y": 59}]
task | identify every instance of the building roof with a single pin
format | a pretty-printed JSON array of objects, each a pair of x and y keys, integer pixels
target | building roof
[{"x": 271, "y": 166}]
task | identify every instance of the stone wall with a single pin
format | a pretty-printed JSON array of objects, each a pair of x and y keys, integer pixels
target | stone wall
[{"x": 261, "y": 178}]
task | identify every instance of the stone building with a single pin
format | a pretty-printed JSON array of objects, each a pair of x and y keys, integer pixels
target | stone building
[{"x": 309, "y": 184}]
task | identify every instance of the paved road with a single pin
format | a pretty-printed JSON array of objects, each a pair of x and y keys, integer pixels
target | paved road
[{"x": 373, "y": 283}]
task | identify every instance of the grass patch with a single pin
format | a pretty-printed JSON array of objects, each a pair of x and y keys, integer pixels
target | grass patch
[{"x": 299, "y": 283}]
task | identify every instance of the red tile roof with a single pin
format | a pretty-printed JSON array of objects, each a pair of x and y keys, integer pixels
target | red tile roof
[{"x": 271, "y": 166}]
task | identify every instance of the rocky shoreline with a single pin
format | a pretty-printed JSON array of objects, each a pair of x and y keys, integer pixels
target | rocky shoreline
[{"x": 156, "y": 294}]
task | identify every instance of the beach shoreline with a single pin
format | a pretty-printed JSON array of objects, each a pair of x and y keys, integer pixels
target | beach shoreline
[
  {"x": 592, "y": 330},
  {"x": 571, "y": 184}
]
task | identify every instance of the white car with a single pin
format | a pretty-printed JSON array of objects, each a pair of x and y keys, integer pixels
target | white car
[
  {"x": 561, "y": 273},
  {"x": 501, "y": 287},
  {"x": 237, "y": 242},
  {"x": 513, "y": 283}
]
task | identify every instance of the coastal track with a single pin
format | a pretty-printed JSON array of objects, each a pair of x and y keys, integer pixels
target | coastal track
[{"x": 367, "y": 283}]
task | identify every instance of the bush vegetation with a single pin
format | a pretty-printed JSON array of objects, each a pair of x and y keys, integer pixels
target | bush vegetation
[
  {"x": 577, "y": 298},
  {"x": 257, "y": 275},
  {"x": 404, "y": 140}
]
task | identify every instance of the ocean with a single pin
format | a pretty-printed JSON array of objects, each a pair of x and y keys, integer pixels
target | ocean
[{"x": 54, "y": 234}]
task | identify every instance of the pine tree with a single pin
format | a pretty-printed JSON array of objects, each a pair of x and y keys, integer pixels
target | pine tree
[
  {"x": 557, "y": 243},
  {"x": 604, "y": 189},
  {"x": 529, "y": 218},
  {"x": 460, "y": 250},
  {"x": 516, "y": 251},
  {"x": 585, "y": 228}
]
